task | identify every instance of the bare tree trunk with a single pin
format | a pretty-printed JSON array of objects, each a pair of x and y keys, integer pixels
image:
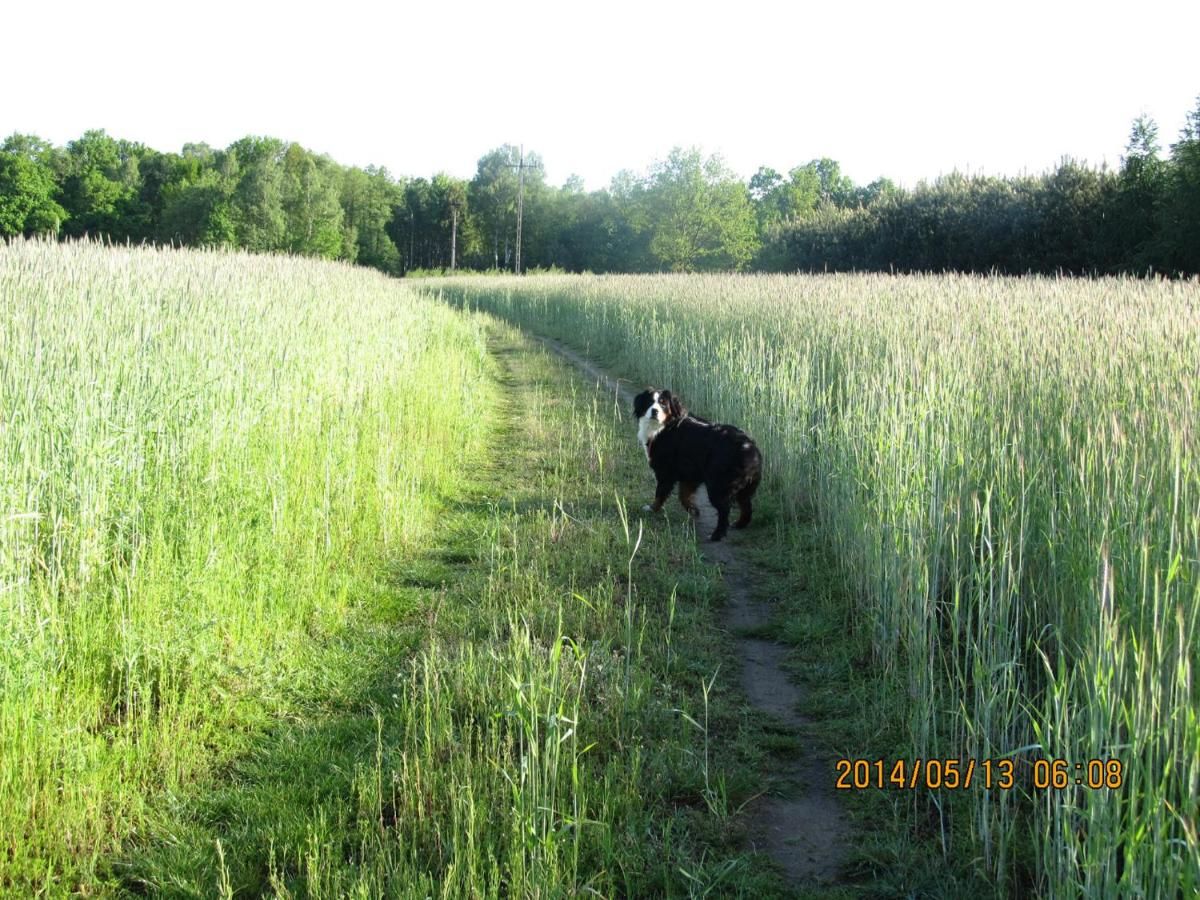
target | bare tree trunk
[
  {"x": 453, "y": 236},
  {"x": 520, "y": 206}
]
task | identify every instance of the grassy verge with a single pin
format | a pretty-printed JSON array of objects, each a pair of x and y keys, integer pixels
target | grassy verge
[
  {"x": 537, "y": 705},
  {"x": 204, "y": 458}
]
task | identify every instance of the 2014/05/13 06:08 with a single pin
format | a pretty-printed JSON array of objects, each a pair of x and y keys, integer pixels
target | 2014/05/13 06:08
[{"x": 954, "y": 773}]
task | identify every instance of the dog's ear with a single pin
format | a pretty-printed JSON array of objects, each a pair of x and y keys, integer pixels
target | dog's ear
[
  {"x": 672, "y": 404},
  {"x": 642, "y": 402}
]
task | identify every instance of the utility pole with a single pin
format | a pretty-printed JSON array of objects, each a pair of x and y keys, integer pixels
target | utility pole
[{"x": 520, "y": 166}]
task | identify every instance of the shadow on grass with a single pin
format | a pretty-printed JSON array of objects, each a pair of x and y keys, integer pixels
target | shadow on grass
[{"x": 248, "y": 829}]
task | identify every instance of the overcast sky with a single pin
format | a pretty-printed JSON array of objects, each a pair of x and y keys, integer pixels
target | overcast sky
[{"x": 909, "y": 90}]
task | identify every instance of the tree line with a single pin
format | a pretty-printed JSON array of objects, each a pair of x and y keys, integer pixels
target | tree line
[
  {"x": 687, "y": 212},
  {"x": 1143, "y": 217}
]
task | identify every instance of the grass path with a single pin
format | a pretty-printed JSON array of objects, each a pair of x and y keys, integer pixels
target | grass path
[
  {"x": 798, "y": 820},
  {"x": 538, "y": 705},
  {"x": 807, "y": 692},
  {"x": 560, "y": 696}
]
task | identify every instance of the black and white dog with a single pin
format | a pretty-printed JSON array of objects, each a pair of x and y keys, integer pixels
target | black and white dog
[{"x": 691, "y": 451}]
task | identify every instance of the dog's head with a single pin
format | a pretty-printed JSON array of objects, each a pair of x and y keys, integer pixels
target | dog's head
[{"x": 657, "y": 406}]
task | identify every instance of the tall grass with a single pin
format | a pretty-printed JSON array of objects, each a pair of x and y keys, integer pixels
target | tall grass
[
  {"x": 203, "y": 459},
  {"x": 312, "y": 587},
  {"x": 1008, "y": 471},
  {"x": 539, "y": 742}
]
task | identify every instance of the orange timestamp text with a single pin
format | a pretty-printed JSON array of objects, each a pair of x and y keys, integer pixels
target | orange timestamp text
[{"x": 998, "y": 774}]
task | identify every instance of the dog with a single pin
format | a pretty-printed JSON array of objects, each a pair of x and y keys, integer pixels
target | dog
[{"x": 691, "y": 451}]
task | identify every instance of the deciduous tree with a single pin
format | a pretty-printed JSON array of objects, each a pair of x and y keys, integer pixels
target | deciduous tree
[
  {"x": 699, "y": 214},
  {"x": 27, "y": 188}
]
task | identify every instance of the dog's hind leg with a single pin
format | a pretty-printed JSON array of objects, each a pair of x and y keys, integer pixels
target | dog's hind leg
[
  {"x": 720, "y": 503},
  {"x": 745, "y": 508},
  {"x": 661, "y": 492},
  {"x": 687, "y": 495}
]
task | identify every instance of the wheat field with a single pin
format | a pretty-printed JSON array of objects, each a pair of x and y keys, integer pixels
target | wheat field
[
  {"x": 1008, "y": 473},
  {"x": 207, "y": 461}
]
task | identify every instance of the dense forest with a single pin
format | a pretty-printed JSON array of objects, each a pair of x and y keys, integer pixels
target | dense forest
[{"x": 685, "y": 213}]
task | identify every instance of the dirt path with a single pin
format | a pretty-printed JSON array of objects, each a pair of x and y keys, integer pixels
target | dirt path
[{"x": 798, "y": 822}]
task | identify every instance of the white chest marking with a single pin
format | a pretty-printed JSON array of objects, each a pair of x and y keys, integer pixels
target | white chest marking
[{"x": 647, "y": 430}]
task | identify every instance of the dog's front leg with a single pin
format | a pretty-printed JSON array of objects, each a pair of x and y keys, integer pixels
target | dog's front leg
[{"x": 661, "y": 493}]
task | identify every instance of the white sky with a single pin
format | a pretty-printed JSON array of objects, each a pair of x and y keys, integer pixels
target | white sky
[{"x": 904, "y": 89}]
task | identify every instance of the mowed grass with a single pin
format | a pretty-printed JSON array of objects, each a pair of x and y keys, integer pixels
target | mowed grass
[
  {"x": 1007, "y": 472},
  {"x": 312, "y": 587}
]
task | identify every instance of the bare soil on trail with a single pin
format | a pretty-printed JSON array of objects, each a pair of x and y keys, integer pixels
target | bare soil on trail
[{"x": 798, "y": 822}]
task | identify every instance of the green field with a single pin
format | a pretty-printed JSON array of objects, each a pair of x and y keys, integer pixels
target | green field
[
  {"x": 317, "y": 583},
  {"x": 314, "y": 587}
]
